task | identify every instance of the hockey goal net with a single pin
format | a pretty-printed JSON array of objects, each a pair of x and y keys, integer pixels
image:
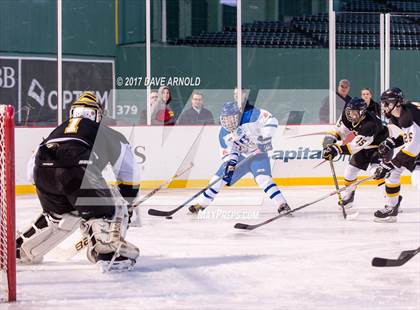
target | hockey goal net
[{"x": 7, "y": 206}]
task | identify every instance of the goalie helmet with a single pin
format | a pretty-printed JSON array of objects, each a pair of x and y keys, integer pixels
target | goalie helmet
[
  {"x": 230, "y": 115},
  {"x": 355, "y": 110},
  {"x": 390, "y": 99},
  {"x": 87, "y": 106}
]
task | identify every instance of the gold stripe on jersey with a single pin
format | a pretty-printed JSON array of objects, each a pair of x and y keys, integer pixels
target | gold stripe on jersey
[
  {"x": 408, "y": 153},
  {"x": 128, "y": 183},
  {"x": 392, "y": 185},
  {"x": 335, "y": 133}
]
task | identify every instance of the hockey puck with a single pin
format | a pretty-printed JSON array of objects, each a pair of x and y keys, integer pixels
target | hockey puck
[{"x": 169, "y": 217}]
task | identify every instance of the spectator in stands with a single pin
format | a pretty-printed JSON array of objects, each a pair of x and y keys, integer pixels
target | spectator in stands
[
  {"x": 163, "y": 114},
  {"x": 373, "y": 106},
  {"x": 196, "y": 114},
  {"x": 342, "y": 98},
  {"x": 153, "y": 103}
]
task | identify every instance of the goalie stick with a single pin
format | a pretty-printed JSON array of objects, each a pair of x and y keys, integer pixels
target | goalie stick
[
  {"x": 66, "y": 254},
  {"x": 171, "y": 212},
  {"x": 404, "y": 257},
  {"x": 252, "y": 227}
]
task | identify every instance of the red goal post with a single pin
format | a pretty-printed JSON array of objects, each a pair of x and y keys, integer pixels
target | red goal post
[{"x": 7, "y": 206}]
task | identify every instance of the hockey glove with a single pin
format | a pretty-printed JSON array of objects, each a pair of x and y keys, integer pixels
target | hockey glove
[
  {"x": 229, "y": 170},
  {"x": 383, "y": 170},
  {"x": 328, "y": 140},
  {"x": 264, "y": 144},
  {"x": 386, "y": 147},
  {"x": 330, "y": 152}
]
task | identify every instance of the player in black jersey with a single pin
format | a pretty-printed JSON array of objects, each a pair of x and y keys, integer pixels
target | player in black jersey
[
  {"x": 67, "y": 172},
  {"x": 406, "y": 115},
  {"x": 369, "y": 133}
]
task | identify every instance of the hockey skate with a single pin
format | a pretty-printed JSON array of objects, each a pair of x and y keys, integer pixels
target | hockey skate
[
  {"x": 347, "y": 202},
  {"x": 196, "y": 208},
  {"x": 387, "y": 214},
  {"x": 284, "y": 208}
]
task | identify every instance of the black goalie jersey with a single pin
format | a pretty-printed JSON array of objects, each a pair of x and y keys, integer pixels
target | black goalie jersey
[
  {"x": 369, "y": 133},
  {"x": 82, "y": 142},
  {"x": 409, "y": 122}
]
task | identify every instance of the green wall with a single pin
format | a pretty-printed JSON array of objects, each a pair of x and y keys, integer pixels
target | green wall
[{"x": 28, "y": 26}]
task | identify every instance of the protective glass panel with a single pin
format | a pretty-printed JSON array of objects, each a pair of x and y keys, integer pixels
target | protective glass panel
[
  {"x": 357, "y": 58},
  {"x": 284, "y": 61},
  {"x": 405, "y": 45},
  {"x": 28, "y": 67}
]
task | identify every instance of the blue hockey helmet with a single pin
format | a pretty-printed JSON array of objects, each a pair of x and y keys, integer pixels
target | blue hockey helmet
[
  {"x": 230, "y": 115},
  {"x": 355, "y": 110}
]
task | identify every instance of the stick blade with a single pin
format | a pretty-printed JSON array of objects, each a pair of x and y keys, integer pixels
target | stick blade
[
  {"x": 244, "y": 226},
  {"x": 379, "y": 262},
  {"x": 155, "y": 212},
  {"x": 385, "y": 262}
]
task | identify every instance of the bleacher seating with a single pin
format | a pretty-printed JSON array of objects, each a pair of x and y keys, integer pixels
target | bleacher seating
[{"x": 354, "y": 30}]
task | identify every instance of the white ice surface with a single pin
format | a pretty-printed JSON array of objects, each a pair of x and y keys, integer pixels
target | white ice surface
[{"x": 315, "y": 260}]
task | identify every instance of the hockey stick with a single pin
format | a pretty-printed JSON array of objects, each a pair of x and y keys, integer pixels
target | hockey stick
[
  {"x": 340, "y": 198},
  {"x": 171, "y": 212},
  {"x": 153, "y": 192},
  {"x": 133, "y": 207},
  {"x": 66, "y": 254},
  {"x": 404, "y": 257},
  {"x": 309, "y": 134},
  {"x": 252, "y": 227},
  {"x": 322, "y": 162}
]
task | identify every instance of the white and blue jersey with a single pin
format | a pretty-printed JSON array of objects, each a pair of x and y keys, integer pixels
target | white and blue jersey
[
  {"x": 240, "y": 144},
  {"x": 243, "y": 141}
]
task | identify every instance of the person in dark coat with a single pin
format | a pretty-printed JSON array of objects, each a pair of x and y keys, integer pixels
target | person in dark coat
[{"x": 197, "y": 114}]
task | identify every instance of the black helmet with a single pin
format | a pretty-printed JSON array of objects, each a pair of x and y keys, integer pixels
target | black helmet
[
  {"x": 390, "y": 99},
  {"x": 392, "y": 95},
  {"x": 355, "y": 110}
]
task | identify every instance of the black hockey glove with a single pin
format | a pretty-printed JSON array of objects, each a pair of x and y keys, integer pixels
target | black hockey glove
[
  {"x": 330, "y": 152},
  {"x": 383, "y": 170},
  {"x": 386, "y": 147},
  {"x": 229, "y": 170},
  {"x": 328, "y": 140},
  {"x": 264, "y": 144}
]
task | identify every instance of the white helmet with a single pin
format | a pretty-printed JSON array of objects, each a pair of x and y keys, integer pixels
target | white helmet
[{"x": 87, "y": 106}]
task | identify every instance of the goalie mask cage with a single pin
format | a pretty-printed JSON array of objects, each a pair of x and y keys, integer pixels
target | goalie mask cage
[{"x": 7, "y": 207}]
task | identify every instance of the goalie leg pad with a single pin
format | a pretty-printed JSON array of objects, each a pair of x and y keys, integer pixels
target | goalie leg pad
[
  {"x": 107, "y": 237},
  {"x": 43, "y": 235}
]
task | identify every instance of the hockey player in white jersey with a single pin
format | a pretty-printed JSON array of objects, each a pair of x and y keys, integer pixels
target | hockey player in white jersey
[
  {"x": 243, "y": 135},
  {"x": 405, "y": 115}
]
